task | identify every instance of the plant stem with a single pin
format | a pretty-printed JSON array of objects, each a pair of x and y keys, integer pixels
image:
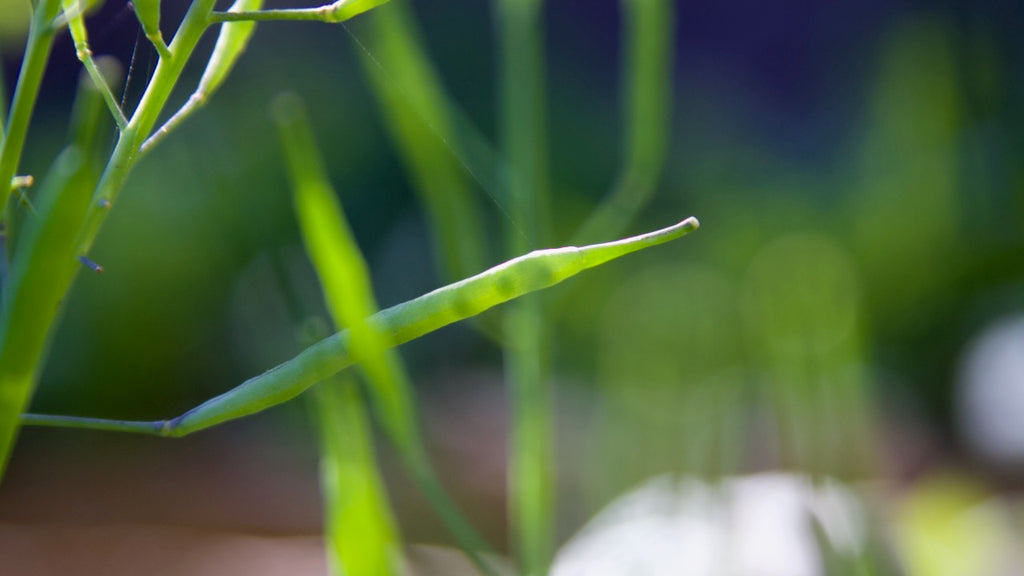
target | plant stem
[
  {"x": 75, "y": 18},
  {"x": 359, "y": 526},
  {"x": 338, "y": 11},
  {"x": 531, "y": 463},
  {"x": 231, "y": 43},
  {"x": 647, "y": 74},
  {"x": 40, "y": 275},
  {"x": 348, "y": 291},
  {"x": 24, "y": 330},
  {"x": 3, "y": 100},
  {"x": 153, "y": 428},
  {"x": 37, "y": 52},
  {"x": 283, "y": 14},
  {"x": 418, "y": 114}
]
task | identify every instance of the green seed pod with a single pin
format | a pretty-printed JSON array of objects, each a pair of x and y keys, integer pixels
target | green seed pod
[
  {"x": 148, "y": 13},
  {"x": 344, "y": 9},
  {"x": 231, "y": 42}
]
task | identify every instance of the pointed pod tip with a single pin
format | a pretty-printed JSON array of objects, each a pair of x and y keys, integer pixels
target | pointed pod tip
[
  {"x": 599, "y": 253},
  {"x": 682, "y": 228}
]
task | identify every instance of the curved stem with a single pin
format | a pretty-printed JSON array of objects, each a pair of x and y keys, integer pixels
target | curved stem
[
  {"x": 532, "y": 468},
  {"x": 647, "y": 68}
]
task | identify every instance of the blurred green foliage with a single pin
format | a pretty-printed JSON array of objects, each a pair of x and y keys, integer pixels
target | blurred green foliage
[{"x": 849, "y": 252}]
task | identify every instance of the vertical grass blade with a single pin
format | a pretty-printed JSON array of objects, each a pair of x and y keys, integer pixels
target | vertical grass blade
[
  {"x": 44, "y": 264},
  {"x": 361, "y": 538},
  {"x": 37, "y": 281},
  {"x": 3, "y": 101},
  {"x": 417, "y": 111},
  {"x": 360, "y": 530},
  {"x": 40, "y": 278},
  {"x": 647, "y": 77},
  {"x": 531, "y": 463},
  {"x": 347, "y": 289}
]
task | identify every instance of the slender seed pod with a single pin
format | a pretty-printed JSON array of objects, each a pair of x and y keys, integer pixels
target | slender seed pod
[
  {"x": 44, "y": 262},
  {"x": 402, "y": 323},
  {"x": 74, "y": 10},
  {"x": 412, "y": 319},
  {"x": 344, "y": 9},
  {"x": 231, "y": 43},
  {"x": 42, "y": 269},
  {"x": 148, "y": 13}
]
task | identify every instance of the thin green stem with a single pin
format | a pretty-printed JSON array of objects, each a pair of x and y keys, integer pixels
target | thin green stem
[
  {"x": 74, "y": 15},
  {"x": 339, "y": 11},
  {"x": 37, "y": 52},
  {"x": 531, "y": 461},
  {"x": 157, "y": 427},
  {"x": 647, "y": 74},
  {"x": 3, "y": 101},
  {"x": 165, "y": 77},
  {"x": 284, "y": 14},
  {"x": 231, "y": 43},
  {"x": 162, "y": 50},
  {"x": 100, "y": 81},
  {"x": 25, "y": 329},
  {"x": 418, "y": 114}
]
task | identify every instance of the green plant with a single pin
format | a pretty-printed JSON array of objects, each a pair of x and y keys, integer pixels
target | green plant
[{"x": 49, "y": 245}]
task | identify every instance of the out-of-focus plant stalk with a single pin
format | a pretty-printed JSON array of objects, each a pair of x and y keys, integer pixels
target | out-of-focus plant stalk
[
  {"x": 647, "y": 81},
  {"x": 523, "y": 143},
  {"x": 44, "y": 264},
  {"x": 348, "y": 292},
  {"x": 3, "y": 102},
  {"x": 31, "y": 330},
  {"x": 37, "y": 52},
  {"x": 417, "y": 111},
  {"x": 360, "y": 532}
]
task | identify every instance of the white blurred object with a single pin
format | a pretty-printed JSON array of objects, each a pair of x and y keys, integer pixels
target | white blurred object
[
  {"x": 760, "y": 525},
  {"x": 991, "y": 393}
]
